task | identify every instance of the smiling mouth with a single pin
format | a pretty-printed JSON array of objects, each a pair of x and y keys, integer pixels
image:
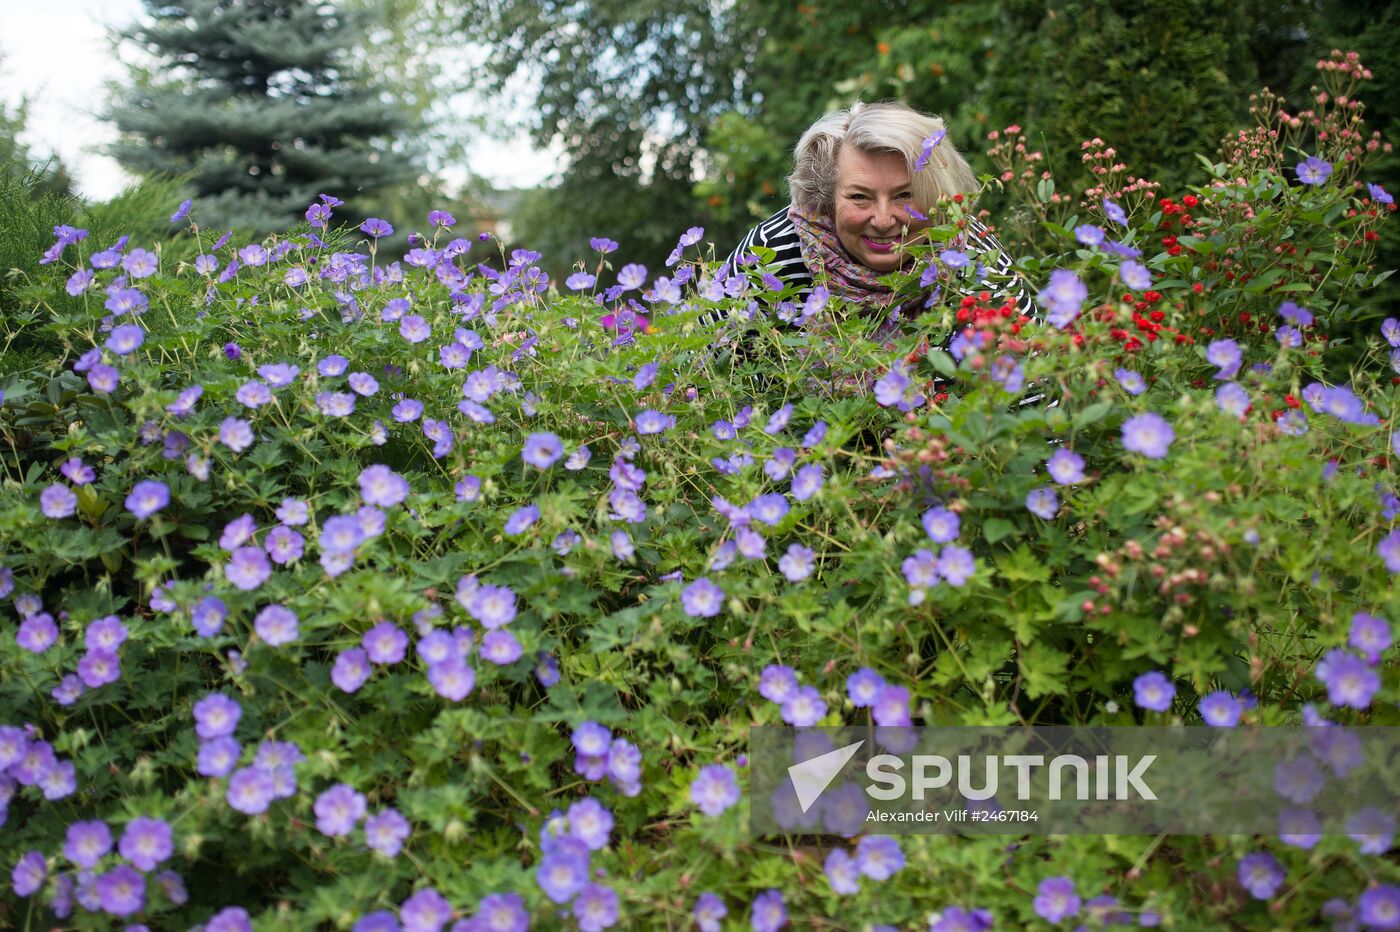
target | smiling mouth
[{"x": 880, "y": 244}]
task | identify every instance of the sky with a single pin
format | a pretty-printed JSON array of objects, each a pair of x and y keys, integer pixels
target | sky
[{"x": 58, "y": 55}]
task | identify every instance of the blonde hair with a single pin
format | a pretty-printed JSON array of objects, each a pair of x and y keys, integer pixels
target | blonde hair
[{"x": 889, "y": 126}]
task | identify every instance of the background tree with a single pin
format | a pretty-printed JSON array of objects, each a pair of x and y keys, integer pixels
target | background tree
[
  {"x": 261, "y": 104},
  {"x": 628, "y": 88},
  {"x": 17, "y": 159}
]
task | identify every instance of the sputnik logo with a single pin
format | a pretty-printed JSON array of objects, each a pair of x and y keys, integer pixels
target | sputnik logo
[{"x": 811, "y": 777}]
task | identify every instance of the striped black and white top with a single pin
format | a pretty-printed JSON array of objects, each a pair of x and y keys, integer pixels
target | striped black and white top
[
  {"x": 999, "y": 279},
  {"x": 780, "y": 235}
]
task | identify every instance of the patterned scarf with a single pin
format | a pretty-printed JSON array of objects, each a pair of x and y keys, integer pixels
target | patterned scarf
[{"x": 846, "y": 278}]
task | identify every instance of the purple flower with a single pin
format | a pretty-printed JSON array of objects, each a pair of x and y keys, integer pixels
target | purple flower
[
  {"x": 414, "y": 328},
  {"x": 1379, "y": 907},
  {"x": 1131, "y": 382},
  {"x": 891, "y": 706},
  {"x": 807, "y": 482},
  {"x": 1371, "y": 828},
  {"x": 492, "y": 606},
  {"x": 1153, "y": 691},
  {"x": 363, "y": 384},
  {"x": 284, "y": 545},
  {"x": 542, "y": 450},
  {"x": 941, "y": 525},
  {"x": 1312, "y": 171},
  {"x": 1349, "y": 680},
  {"x": 1055, "y": 899},
  {"x": 1295, "y": 314},
  {"x": 146, "y": 842},
  {"x": 580, "y": 281},
  {"x": 632, "y": 276},
  {"x": 216, "y": 716},
  {"x": 250, "y": 790},
  {"x": 387, "y": 831},
  {"x": 1220, "y": 709},
  {"x": 1115, "y": 213},
  {"x": 863, "y": 687},
  {"x": 890, "y": 388},
  {"x": 1299, "y": 828},
  {"x": 521, "y": 519},
  {"x": 98, "y": 668},
  {"x": 841, "y": 872},
  {"x": 377, "y": 228},
  {"x": 350, "y": 670},
  {"x": 184, "y": 404},
  {"x": 385, "y": 643},
  {"x": 29, "y": 873},
  {"x": 1389, "y": 551},
  {"x": 217, "y": 757},
  {"x": 248, "y": 568},
  {"x": 1227, "y": 355},
  {"x": 879, "y": 857},
  {"x": 77, "y": 472},
  {"x": 653, "y": 422},
  {"x": 333, "y": 365},
  {"x": 425, "y": 911},
  {"x": 604, "y": 245},
  {"x": 769, "y": 912},
  {"x": 103, "y": 379},
  {"x": 1063, "y": 297},
  {"x": 563, "y": 870},
  {"x": 236, "y": 434},
  {"x": 1261, "y": 875},
  {"x": 714, "y": 789},
  {"x": 796, "y": 564},
  {"x": 1232, "y": 399},
  {"x": 338, "y": 810},
  {"x": 58, "y": 501},
  {"x": 121, "y": 891},
  {"x": 147, "y": 497},
  {"x": 1065, "y": 466},
  {"x": 182, "y": 211},
  {"x": 126, "y": 339},
  {"x": 276, "y": 625},
  {"x": 709, "y": 911},
  {"x": 1089, "y": 234},
  {"x": 1298, "y": 780},
  {"x": 501, "y": 912},
  {"x": 770, "y": 509},
  {"x": 1135, "y": 275},
  {"x": 926, "y": 149},
  {"x": 956, "y": 564},
  {"x": 208, "y": 616},
  {"x": 777, "y": 683},
  {"x": 1043, "y": 503},
  {"x": 702, "y": 599},
  {"x": 804, "y": 707},
  {"x": 1369, "y": 634},
  {"x": 86, "y": 843},
  {"x": 500, "y": 647},
  {"x": 590, "y": 822},
  {"x": 229, "y": 919},
  {"x": 382, "y": 487},
  {"x": 1148, "y": 434}
]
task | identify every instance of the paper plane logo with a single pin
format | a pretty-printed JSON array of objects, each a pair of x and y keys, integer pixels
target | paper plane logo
[{"x": 811, "y": 777}]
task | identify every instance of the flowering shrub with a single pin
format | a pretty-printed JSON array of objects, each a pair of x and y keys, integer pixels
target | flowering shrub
[{"x": 357, "y": 591}]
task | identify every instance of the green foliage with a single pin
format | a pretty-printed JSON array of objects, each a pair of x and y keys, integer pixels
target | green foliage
[{"x": 1234, "y": 554}]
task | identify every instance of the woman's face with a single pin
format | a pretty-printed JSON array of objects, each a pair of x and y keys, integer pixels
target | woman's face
[{"x": 873, "y": 197}]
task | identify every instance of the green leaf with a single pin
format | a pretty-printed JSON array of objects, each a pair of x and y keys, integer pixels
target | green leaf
[
  {"x": 1093, "y": 414},
  {"x": 1043, "y": 670},
  {"x": 994, "y": 529}
]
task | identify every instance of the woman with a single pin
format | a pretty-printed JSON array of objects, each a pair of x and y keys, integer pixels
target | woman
[{"x": 863, "y": 182}]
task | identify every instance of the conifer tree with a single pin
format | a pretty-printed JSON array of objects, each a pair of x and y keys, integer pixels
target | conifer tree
[{"x": 260, "y": 103}]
